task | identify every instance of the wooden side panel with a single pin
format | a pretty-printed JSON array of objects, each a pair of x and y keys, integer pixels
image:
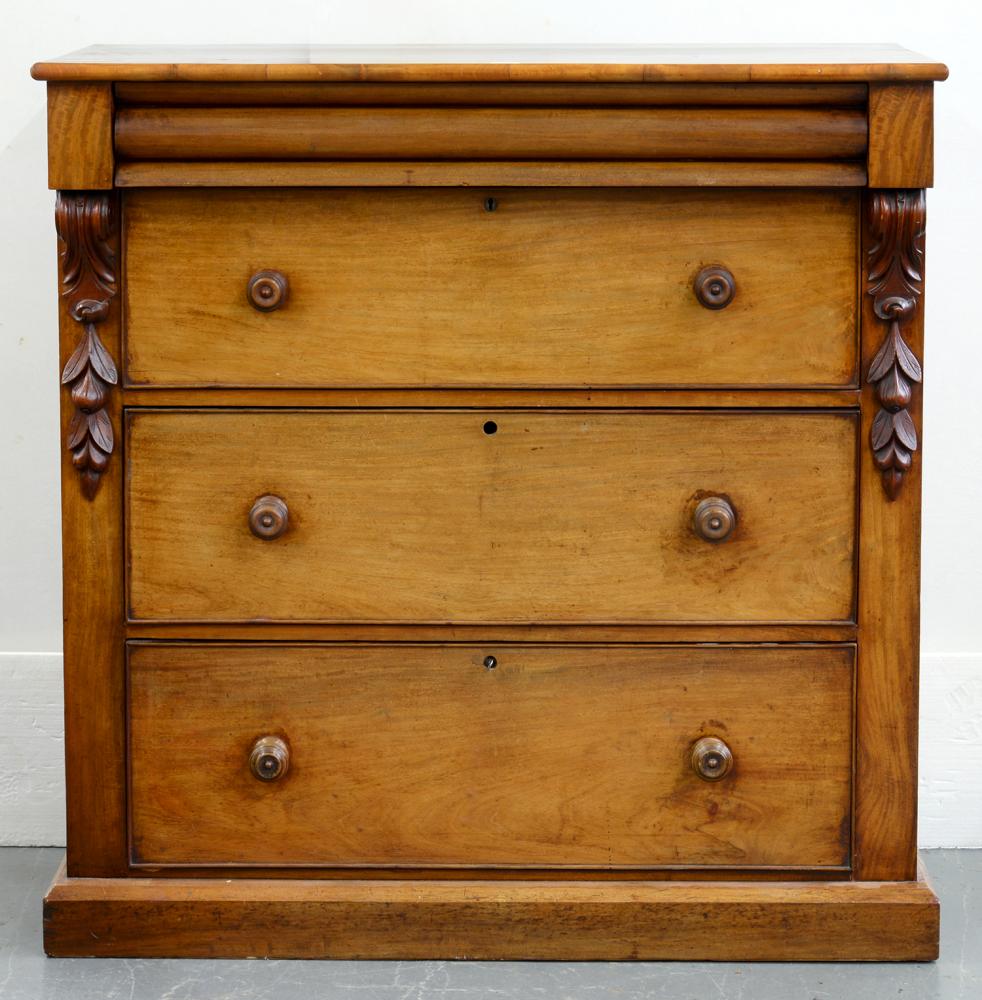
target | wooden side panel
[
  {"x": 80, "y": 136},
  {"x": 890, "y": 556},
  {"x": 222, "y": 918},
  {"x": 503, "y": 516},
  {"x": 488, "y": 757},
  {"x": 901, "y": 135},
  {"x": 489, "y": 133},
  {"x": 92, "y": 548},
  {"x": 548, "y": 288}
]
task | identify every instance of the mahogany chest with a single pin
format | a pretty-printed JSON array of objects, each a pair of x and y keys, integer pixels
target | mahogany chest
[{"x": 491, "y": 497}]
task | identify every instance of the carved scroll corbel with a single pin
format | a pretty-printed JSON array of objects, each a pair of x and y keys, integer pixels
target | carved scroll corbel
[
  {"x": 895, "y": 280},
  {"x": 84, "y": 221}
]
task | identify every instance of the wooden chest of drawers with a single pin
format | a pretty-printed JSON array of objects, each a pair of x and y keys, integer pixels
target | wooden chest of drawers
[{"x": 491, "y": 502}]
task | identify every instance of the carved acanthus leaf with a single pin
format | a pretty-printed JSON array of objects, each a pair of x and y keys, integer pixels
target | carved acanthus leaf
[
  {"x": 895, "y": 279},
  {"x": 84, "y": 222}
]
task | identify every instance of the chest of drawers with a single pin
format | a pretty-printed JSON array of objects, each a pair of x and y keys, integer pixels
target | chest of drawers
[{"x": 491, "y": 502}]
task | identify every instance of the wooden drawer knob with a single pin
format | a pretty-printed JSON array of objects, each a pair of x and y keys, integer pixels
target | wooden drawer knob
[
  {"x": 269, "y": 758},
  {"x": 267, "y": 290},
  {"x": 711, "y": 758},
  {"x": 714, "y": 519},
  {"x": 714, "y": 287},
  {"x": 269, "y": 517}
]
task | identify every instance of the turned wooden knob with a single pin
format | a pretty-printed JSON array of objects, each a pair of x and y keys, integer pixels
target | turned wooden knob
[
  {"x": 714, "y": 287},
  {"x": 714, "y": 519},
  {"x": 269, "y": 517},
  {"x": 267, "y": 290},
  {"x": 269, "y": 758},
  {"x": 711, "y": 758}
]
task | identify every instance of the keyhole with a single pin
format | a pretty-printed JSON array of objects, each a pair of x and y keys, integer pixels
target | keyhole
[{"x": 490, "y": 204}]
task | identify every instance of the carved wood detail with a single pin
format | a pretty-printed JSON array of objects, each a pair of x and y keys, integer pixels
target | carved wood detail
[
  {"x": 895, "y": 279},
  {"x": 85, "y": 222}
]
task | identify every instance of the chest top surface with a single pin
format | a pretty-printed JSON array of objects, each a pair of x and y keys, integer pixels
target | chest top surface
[{"x": 519, "y": 63}]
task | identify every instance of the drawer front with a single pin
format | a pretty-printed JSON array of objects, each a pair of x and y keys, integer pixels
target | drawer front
[
  {"x": 427, "y": 288},
  {"x": 427, "y": 516},
  {"x": 430, "y": 756}
]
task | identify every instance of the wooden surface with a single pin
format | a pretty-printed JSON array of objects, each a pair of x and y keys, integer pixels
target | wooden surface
[
  {"x": 360, "y": 632},
  {"x": 556, "y": 517},
  {"x": 901, "y": 128},
  {"x": 80, "y": 136},
  {"x": 410, "y": 173},
  {"x": 889, "y": 618},
  {"x": 92, "y": 546},
  {"x": 555, "y": 756},
  {"x": 545, "y": 63},
  {"x": 427, "y": 544},
  {"x": 495, "y": 94},
  {"x": 725, "y": 921},
  {"x": 517, "y": 296},
  {"x": 478, "y": 398},
  {"x": 489, "y": 133}
]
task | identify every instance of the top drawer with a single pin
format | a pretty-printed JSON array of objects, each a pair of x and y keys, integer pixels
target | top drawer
[{"x": 514, "y": 288}]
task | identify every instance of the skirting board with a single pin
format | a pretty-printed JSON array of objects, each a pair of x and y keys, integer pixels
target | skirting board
[{"x": 405, "y": 919}]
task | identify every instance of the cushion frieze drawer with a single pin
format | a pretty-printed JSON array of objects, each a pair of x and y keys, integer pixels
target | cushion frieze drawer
[
  {"x": 572, "y": 517},
  {"x": 499, "y": 756},
  {"x": 509, "y": 288}
]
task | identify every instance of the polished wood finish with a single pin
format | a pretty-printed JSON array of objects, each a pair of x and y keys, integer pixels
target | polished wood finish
[
  {"x": 504, "y": 63},
  {"x": 889, "y": 602},
  {"x": 269, "y": 758},
  {"x": 712, "y": 758},
  {"x": 714, "y": 287},
  {"x": 895, "y": 280},
  {"x": 287, "y": 133},
  {"x": 269, "y": 517},
  {"x": 503, "y": 761},
  {"x": 555, "y": 544},
  {"x": 268, "y": 290},
  {"x": 362, "y": 94},
  {"x": 571, "y": 173},
  {"x": 431, "y": 517},
  {"x": 512, "y": 297},
  {"x": 714, "y": 519},
  {"x": 80, "y": 136},
  {"x": 86, "y": 228},
  {"x": 92, "y": 546},
  {"x": 450, "y": 632},
  {"x": 725, "y": 921},
  {"x": 478, "y": 398},
  {"x": 901, "y": 136}
]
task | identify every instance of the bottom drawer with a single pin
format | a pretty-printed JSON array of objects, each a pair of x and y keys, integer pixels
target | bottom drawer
[{"x": 566, "y": 756}]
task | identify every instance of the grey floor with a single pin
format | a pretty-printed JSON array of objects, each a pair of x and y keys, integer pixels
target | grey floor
[{"x": 25, "y": 974}]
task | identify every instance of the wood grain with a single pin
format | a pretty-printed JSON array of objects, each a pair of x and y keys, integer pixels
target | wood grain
[
  {"x": 889, "y": 649},
  {"x": 901, "y": 136},
  {"x": 515, "y": 297},
  {"x": 238, "y": 918},
  {"x": 484, "y": 398},
  {"x": 554, "y": 518},
  {"x": 356, "y": 632},
  {"x": 528, "y": 173},
  {"x": 92, "y": 543},
  {"x": 337, "y": 133},
  {"x": 552, "y": 756},
  {"x": 80, "y": 136},
  {"x": 470, "y": 63},
  {"x": 493, "y": 94}
]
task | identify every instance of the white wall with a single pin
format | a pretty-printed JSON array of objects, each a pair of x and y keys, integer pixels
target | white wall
[{"x": 30, "y": 740}]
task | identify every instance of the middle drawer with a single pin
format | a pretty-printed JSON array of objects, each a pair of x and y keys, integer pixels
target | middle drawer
[{"x": 447, "y": 516}]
